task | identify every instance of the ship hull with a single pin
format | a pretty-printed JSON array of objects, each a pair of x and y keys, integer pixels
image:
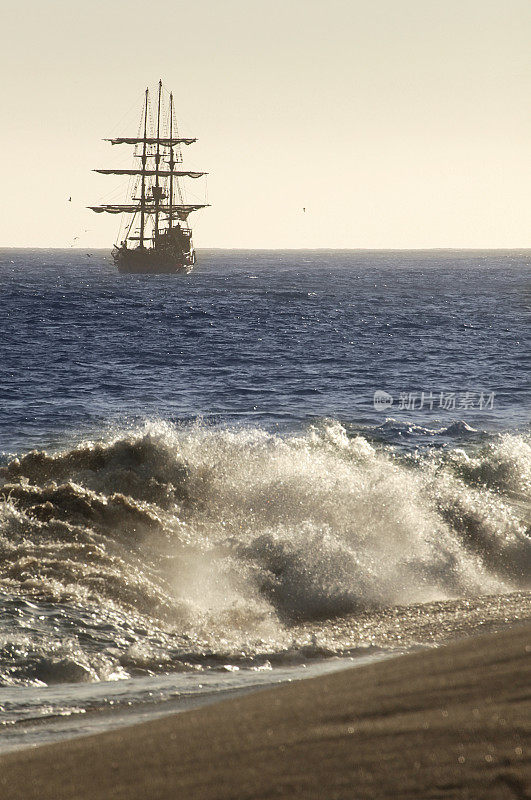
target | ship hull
[
  {"x": 148, "y": 262},
  {"x": 173, "y": 253}
]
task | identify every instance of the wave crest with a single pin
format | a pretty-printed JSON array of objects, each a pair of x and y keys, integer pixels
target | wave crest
[
  {"x": 236, "y": 535},
  {"x": 312, "y": 524}
]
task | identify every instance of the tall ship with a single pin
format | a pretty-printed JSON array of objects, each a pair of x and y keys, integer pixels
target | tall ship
[{"x": 156, "y": 237}]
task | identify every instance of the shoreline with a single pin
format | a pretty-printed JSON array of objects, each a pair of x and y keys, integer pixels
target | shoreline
[
  {"x": 447, "y": 722},
  {"x": 32, "y": 732}
]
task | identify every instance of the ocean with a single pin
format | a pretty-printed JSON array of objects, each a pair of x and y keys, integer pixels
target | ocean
[{"x": 282, "y": 464}]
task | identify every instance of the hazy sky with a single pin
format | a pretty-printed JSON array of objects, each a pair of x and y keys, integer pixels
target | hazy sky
[{"x": 395, "y": 123}]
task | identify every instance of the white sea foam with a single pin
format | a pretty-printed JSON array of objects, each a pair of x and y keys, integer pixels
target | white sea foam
[{"x": 192, "y": 544}]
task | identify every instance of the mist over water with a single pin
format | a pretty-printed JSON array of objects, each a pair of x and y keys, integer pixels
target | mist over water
[{"x": 195, "y": 477}]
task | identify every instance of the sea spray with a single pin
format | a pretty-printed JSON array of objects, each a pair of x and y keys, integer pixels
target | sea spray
[{"x": 184, "y": 547}]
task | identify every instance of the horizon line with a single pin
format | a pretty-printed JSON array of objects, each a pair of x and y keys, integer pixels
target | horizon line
[{"x": 283, "y": 249}]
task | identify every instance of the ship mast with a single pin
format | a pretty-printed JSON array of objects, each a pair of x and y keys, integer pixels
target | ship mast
[
  {"x": 152, "y": 150},
  {"x": 156, "y": 190},
  {"x": 143, "y": 190},
  {"x": 172, "y": 162}
]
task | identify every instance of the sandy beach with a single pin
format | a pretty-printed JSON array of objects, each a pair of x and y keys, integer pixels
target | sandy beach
[{"x": 444, "y": 723}]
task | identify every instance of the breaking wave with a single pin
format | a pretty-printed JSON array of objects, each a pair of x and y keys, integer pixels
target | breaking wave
[{"x": 184, "y": 547}]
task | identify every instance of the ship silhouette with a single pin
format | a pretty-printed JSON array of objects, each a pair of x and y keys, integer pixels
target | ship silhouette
[{"x": 158, "y": 238}]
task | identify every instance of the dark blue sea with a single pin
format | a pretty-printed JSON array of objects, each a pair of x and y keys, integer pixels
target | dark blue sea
[
  {"x": 263, "y": 338},
  {"x": 280, "y": 463}
]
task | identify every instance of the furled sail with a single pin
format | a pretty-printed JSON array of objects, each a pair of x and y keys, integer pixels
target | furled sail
[
  {"x": 149, "y": 140},
  {"x": 180, "y": 210},
  {"x": 163, "y": 173}
]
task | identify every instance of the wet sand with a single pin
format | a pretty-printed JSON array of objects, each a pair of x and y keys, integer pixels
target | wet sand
[{"x": 445, "y": 723}]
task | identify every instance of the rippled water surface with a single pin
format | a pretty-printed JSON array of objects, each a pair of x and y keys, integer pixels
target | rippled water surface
[{"x": 198, "y": 492}]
